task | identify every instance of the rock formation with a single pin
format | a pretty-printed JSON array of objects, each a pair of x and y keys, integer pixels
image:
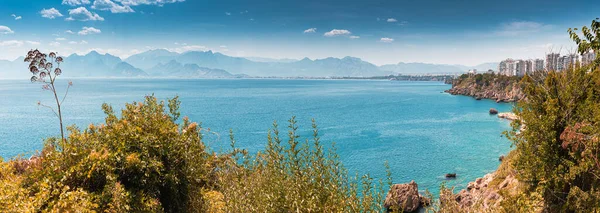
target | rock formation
[
  {"x": 508, "y": 116},
  {"x": 483, "y": 193},
  {"x": 405, "y": 197},
  {"x": 497, "y": 88},
  {"x": 493, "y": 111}
]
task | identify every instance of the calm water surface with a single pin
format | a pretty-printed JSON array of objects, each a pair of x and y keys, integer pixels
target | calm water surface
[{"x": 420, "y": 131}]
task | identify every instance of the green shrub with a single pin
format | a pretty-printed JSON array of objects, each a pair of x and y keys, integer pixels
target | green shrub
[
  {"x": 140, "y": 161},
  {"x": 295, "y": 176}
]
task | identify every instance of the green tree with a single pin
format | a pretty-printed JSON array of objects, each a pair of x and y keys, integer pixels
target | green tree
[
  {"x": 559, "y": 148},
  {"x": 590, "y": 41}
]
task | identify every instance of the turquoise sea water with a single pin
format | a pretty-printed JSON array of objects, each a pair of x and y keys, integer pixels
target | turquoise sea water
[{"x": 422, "y": 132}]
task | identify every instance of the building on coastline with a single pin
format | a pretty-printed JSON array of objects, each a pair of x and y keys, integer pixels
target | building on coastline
[
  {"x": 529, "y": 67},
  {"x": 588, "y": 58},
  {"x": 520, "y": 68},
  {"x": 507, "y": 67},
  {"x": 538, "y": 65},
  {"x": 560, "y": 65},
  {"x": 552, "y": 61}
]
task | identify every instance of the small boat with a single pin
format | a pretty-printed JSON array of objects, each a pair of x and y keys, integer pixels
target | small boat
[{"x": 451, "y": 175}]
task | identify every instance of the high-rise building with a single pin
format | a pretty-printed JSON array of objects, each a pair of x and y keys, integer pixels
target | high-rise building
[
  {"x": 571, "y": 60},
  {"x": 538, "y": 65},
  {"x": 529, "y": 67},
  {"x": 520, "y": 68},
  {"x": 507, "y": 67},
  {"x": 552, "y": 61},
  {"x": 562, "y": 61},
  {"x": 588, "y": 58}
]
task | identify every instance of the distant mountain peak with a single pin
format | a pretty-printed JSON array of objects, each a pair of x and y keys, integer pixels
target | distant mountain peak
[
  {"x": 350, "y": 58},
  {"x": 93, "y": 52}
]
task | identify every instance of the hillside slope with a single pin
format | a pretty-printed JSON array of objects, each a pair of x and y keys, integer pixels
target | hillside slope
[{"x": 488, "y": 86}]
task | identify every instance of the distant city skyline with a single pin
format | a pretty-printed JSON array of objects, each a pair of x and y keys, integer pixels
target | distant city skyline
[{"x": 380, "y": 32}]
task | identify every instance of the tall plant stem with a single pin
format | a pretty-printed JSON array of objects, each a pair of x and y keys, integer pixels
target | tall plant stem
[{"x": 62, "y": 134}]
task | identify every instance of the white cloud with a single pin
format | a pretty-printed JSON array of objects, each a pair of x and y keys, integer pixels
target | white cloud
[
  {"x": 82, "y": 14},
  {"x": 188, "y": 48},
  {"x": 227, "y": 13},
  {"x": 89, "y": 31},
  {"x": 336, "y": 32},
  {"x": 310, "y": 30},
  {"x": 60, "y": 39},
  {"x": 55, "y": 44},
  {"x": 518, "y": 28},
  {"x": 11, "y": 43},
  {"x": 392, "y": 20},
  {"x": 51, "y": 13},
  {"x": 16, "y": 17},
  {"x": 223, "y": 46},
  {"x": 75, "y": 2},
  {"x": 147, "y": 2},
  {"x": 386, "y": 40},
  {"x": 5, "y": 30},
  {"x": 74, "y": 42},
  {"x": 354, "y": 37},
  {"x": 113, "y": 7},
  {"x": 17, "y": 43},
  {"x": 33, "y": 42},
  {"x": 69, "y": 32}
]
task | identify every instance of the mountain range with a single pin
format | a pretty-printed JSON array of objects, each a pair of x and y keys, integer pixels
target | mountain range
[{"x": 208, "y": 64}]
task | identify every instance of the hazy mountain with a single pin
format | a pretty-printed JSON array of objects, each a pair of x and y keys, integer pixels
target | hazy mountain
[
  {"x": 486, "y": 66},
  {"x": 126, "y": 69},
  {"x": 422, "y": 68},
  {"x": 11, "y": 69},
  {"x": 92, "y": 64},
  {"x": 208, "y": 64},
  {"x": 347, "y": 66},
  {"x": 271, "y": 60},
  {"x": 95, "y": 64},
  {"x": 176, "y": 69},
  {"x": 149, "y": 59}
]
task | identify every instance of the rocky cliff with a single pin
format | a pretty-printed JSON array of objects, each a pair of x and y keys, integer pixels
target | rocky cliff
[{"x": 488, "y": 86}]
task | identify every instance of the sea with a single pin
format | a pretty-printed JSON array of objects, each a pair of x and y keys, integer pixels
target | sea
[{"x": 422, "y": 132}]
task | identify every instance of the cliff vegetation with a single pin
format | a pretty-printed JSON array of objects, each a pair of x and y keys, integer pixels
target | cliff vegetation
[{"x": 500, "y": 88}]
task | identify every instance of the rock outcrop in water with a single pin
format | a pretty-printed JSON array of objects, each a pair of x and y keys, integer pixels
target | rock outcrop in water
[
  {"x": 488, "y": 86},
  {"x": 405, "y": 197},
  {"x": 493, "y": 111}
]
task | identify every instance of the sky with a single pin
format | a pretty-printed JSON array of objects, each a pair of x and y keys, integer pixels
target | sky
[{"x": 467, "y": 32}]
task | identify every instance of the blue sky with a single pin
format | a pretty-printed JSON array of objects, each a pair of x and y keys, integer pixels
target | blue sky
[{"x": 465, "y": 32}]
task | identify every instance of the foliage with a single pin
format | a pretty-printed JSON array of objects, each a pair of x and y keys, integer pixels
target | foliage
[
  {"x": 486, "y": 79},
  {"x": 142, "y": 162},
  {"x": 40, "y": 66},
  {"x": 559, "y": 149},
  {"x": 590, "y": 41},
  {"x": 297, "y": 176}
]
